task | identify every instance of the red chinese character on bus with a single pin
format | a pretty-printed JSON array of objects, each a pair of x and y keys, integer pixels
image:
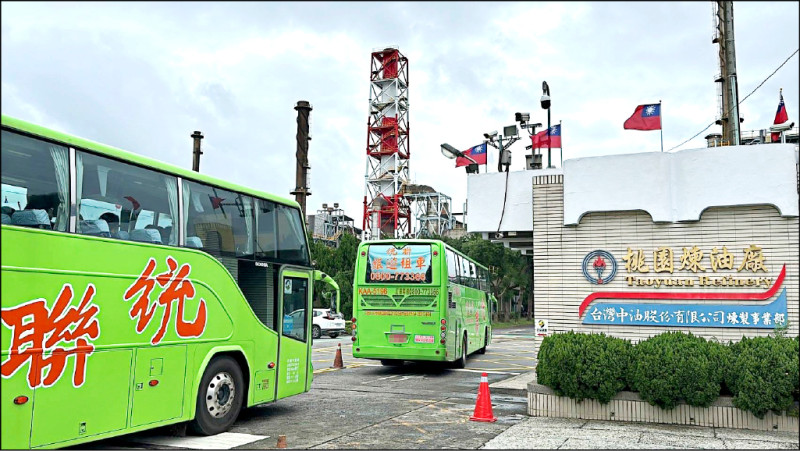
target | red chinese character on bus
[
  {"x": 36, "y": 330},
  {"x": 377, "y": 264},
  {"x": 391, "y": 264},
  {"x": 405, "y": 263},
  {"x": 420, "y": 262},
  {"x": 391, "y": 251},
  {"x": 176, "y": 288}
]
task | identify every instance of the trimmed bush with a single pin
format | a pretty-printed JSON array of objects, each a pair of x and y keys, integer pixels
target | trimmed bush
[
  {"x": 675, "y": 366},
  {"x": 762, "y": 374},
  {"x": 583, "y": 365}
]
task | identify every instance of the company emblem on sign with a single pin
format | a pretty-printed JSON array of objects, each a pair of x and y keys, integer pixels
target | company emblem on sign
[{"x": 597, "y": 264}]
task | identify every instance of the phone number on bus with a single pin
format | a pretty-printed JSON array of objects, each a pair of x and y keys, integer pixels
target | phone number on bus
[{"x": 419, "y": 277}]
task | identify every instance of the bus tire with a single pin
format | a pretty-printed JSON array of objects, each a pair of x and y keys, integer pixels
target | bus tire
[
  {"x": 219, "y": 397},
  {"x": 485, "y": 341},
  {"x": 462, "y": 361},
  {"x": 316, "y": 332}
]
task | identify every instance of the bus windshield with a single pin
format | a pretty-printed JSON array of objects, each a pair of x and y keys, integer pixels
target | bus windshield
[{"x": 410, "y": 263}]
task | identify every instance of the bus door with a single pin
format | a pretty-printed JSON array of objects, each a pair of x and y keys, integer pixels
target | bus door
[{"x": 294, "y": 350}]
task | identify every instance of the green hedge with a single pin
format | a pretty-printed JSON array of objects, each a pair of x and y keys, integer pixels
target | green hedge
[
  {"x": 762, "y": 373},
  {"x": 674, "y": 366},
  {"x": 584, "y": 365}
]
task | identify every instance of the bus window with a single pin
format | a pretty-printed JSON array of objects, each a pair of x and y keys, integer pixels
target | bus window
[
  {"x": 125, "y": 201},
  {"x": 218, "y": 221},
  {"x": 388, "y": 263},
  {"x": 35, "y": 183},
  {"x": 266, "y": 238},
  {"x": 452, "y": 266},
  {"x": 295, "y": 306},
  {"x": 465, "y": 274},
  {"x": 291, "y": 237}
]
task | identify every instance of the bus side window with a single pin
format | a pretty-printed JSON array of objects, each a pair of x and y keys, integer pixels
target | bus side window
[
  {"x": 125, "y": 201},
  {"x": 452, "y": 266},
  {"x": 35, "y": 183}
]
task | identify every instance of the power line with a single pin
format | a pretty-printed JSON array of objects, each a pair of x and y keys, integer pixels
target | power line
[{"x": 740, "y": 102}]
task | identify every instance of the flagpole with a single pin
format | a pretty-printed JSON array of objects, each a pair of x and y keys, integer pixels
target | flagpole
[
  {"x": 560, "y": 130},
  {"x": 661, "y": 126}
]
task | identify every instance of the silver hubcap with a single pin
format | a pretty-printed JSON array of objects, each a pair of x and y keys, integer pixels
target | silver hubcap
[{"x": 220, "y": 394}]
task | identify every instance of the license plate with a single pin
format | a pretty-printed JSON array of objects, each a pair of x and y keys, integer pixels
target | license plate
[
  {"x": 397, "y": 338},
  {"x": 423, "y": 339}
]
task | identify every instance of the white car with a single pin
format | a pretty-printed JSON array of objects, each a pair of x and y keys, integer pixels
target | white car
[{"x": 325, "y": 323}]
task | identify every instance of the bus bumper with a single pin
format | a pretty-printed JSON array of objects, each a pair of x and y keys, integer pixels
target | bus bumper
[{"x": 436, "y": 354}]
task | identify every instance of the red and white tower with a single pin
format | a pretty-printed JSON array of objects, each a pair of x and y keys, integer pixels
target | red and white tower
[{"x": 387, "y": 213}]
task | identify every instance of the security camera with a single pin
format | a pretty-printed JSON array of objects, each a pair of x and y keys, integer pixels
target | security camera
[
  {"x": 781, "y": 127},
  {"x": 490, "y": 135},
  {"x": 498, "y": 235},
  {"x": 522, "y": 117},
  {"x": 545, "y": 101}
]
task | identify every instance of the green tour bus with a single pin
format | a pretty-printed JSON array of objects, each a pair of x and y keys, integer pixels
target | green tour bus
[
  {"x": 137, "y": 294},
  {"x": 419, "y": 300}
]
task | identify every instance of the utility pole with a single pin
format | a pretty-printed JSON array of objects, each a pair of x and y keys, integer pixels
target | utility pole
[
  {"x": 729, "y": 87},
  {"x": 196, "y": 152},
  {"x": 302, "y": 189}
]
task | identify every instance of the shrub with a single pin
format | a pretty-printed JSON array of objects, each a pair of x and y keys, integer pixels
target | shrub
[
  {"x": 675, "y": 366},
  {"x": 762, "y": 374},
  {"x": 583, "y": 365}
]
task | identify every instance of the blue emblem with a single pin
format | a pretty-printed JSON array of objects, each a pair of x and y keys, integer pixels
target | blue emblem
[{"x": 598, "y": 263}]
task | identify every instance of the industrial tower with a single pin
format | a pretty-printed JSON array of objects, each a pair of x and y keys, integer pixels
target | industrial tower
[{"x": 387, "y": 213}]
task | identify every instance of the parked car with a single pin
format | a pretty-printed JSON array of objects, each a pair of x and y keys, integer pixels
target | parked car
[{"x": 326, "y": 323}]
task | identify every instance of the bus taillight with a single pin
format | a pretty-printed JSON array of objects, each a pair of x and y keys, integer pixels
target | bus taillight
[
  {"x": 444, "y": 328},
  {"x": 353, "y": 338},
  {"x": 444, "y": 321},
  {"x": 441, "y": 341}
]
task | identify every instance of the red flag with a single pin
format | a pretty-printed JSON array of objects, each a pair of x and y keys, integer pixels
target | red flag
[
  {"x": 216, "y": 202},
  {"x": 477, "y": 153},
  {"x": 136, "y": 204},
  {"x": 645, "y": 117},
  {"x": 781, "y": 116},
  {"x": 539, "y": 140}
]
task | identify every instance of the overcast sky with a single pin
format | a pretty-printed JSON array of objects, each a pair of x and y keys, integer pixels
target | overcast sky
[{"x": 144, "y": 76}]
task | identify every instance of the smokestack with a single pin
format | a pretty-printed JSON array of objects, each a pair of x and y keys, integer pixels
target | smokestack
[
  {"x": 302, "y": 189},
  {"x": 196, "y": 152}
]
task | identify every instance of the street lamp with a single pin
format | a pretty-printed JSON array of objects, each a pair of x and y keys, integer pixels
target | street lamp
[
  {"x": 546, "y": 105},
  {"x": 451, "y": 153}
]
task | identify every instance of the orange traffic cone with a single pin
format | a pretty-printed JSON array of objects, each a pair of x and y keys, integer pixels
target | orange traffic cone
[
  {"x": 281, "y": 441},
  {"x": 337, "y": 361},
  {"x": 483, "y": 405}
]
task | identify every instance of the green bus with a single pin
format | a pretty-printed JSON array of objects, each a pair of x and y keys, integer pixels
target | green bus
[
  {"x": 419, "y": 300},
  {"x": 137, "y": 294}
]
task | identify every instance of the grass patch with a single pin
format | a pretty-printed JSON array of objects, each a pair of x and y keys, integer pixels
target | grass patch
[{"x": 513, "y": 323}]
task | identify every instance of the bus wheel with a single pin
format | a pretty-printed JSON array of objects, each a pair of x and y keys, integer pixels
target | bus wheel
[
  {"x": 219, "y": 398},
  {"x": 316, "y": 332},
  {"x": 485, "y": 340},
  {"x": 462, "y": 361}
]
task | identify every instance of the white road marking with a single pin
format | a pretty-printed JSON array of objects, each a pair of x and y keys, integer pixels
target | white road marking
[{"x": 225, "y": 440}]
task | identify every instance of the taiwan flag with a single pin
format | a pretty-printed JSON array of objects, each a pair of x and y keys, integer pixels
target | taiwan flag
[
  {"x": 477, "y": 153},
  {"x": 540, "y": 139},
  {"x": 646, "y": 117},
  {"x": 781, "y": 116}
]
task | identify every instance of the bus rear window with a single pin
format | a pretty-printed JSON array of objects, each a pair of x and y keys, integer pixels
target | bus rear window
[{"x": 399, "y": 264}]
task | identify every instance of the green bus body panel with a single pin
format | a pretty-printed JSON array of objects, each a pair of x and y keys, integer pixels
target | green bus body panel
[
  {"x": 416, "y": 310},
  {"x": 121, "y": 356}
]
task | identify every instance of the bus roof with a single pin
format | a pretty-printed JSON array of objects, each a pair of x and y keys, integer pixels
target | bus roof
[
  {"x": 421, "y": 241},
  {"x": 38, "y": 130}
]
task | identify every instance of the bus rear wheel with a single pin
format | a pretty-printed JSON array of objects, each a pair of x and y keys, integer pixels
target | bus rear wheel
[
  {"x": 485, "y": 341},
  {"x": 462, "y": 361},
  {"x": 219, "y": 398}
]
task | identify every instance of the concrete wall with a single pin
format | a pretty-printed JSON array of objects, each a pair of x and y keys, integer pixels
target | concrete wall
[
  {"x": 559, "y": 250},
  {"x": 678, "y": 186}
]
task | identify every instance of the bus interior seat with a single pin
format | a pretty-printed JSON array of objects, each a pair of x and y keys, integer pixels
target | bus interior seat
[
  {"x": 31, "y": 218},
  {"x": 146, "y": 235},
  {"x": 6, "y": 218},
  {"x": 123, "y": 235},
  {"x": 166, "y": 234},
  {"x": 194, "y": 241},
  {"x": 95, "y": 227}
]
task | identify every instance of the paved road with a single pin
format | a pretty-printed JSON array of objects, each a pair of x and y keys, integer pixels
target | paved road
[{"x": 366, "y": 405}]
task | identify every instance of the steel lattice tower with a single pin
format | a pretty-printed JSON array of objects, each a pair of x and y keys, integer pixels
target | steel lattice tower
[{"x": 387, "y": 213}]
